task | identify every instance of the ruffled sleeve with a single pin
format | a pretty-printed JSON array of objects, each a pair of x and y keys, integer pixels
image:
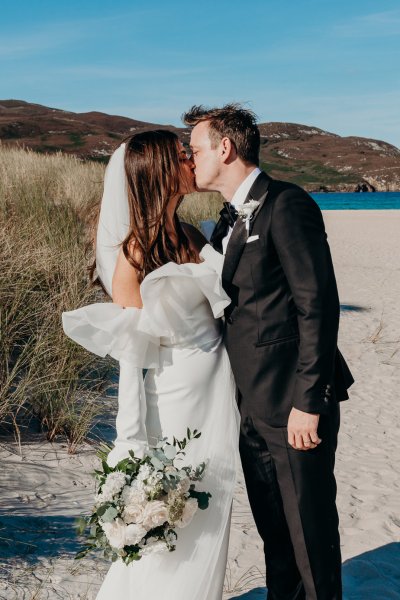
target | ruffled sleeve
[
  {"x": 123, "y": 333},
  {"x": 160, "y": 291},
  {"x": 214, "y": 259}
]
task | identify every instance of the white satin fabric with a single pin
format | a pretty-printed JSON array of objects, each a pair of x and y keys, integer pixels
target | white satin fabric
[{"x": 189, "y": 383}]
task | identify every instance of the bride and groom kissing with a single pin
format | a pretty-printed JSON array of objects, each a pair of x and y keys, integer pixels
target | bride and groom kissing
[{"x": 239, "y": 339}]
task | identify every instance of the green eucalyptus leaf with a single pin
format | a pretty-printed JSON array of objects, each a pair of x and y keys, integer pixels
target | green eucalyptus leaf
[
  {"x": 157, "y": 464},
  {"x": 102, "y": 509},
  {"x": 110, "y": 514},
  {"x": 81, "y": 524},
  {"x": 170, "y": 452}
]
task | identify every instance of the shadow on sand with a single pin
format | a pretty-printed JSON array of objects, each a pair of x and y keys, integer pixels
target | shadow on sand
[
  {"x": 34, "y": 538},
  {"x": 353, "y": 308},
  {"x": 374, "y": 575}
]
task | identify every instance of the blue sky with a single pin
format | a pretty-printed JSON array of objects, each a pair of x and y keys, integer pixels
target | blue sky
[{"x": 329, "y": 63}]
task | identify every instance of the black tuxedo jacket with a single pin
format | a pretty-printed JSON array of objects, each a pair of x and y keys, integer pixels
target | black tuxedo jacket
[{"x": 282, "y": 325}]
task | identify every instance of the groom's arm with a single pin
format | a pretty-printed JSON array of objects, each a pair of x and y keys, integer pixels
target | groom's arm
[{"x": 300, "y": 240}]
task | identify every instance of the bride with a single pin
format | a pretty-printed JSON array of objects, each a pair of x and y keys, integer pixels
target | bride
[{"x": 165, "y": 284}]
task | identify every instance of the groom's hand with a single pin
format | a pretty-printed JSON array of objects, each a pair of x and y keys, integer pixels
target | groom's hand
[{"x": 302, "y": 430}]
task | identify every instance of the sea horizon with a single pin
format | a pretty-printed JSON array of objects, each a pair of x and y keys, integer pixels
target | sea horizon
[{"x": 357, "y": 200}]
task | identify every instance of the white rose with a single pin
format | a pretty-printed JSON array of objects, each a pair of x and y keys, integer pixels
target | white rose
[
  {"x": 134, "y": 534},
  {"x": 115, "y": 533},
  {"x": 120, "y": 535},
  {"x": 190, "y": 509},
  {"x": 155, "y": 513},
  {"x": 133, "y": 513}
]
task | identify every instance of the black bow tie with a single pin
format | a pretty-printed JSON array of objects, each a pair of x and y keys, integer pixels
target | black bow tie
[{"x": 228, "y": 216}]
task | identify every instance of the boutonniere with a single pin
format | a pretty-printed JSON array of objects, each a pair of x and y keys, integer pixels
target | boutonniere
[{"x": 246, "y": 211}]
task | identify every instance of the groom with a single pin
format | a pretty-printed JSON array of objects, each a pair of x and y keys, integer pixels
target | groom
[{"x": 281, "y": 336}]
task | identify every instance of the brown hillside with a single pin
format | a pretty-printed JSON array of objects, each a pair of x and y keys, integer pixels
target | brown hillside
[{"x": 309, "y": 156}]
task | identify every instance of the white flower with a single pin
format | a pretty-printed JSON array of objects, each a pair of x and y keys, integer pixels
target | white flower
[
  {"x": 246, "y": 210},
  {"x": 134, "y": 534},
  {"x": 170, "y": 537},
  {"x": 114, "y": 483},
  {"x": 144, "y": 472},
  {"x": 133, "y": 513},
  {"x": 104, "y": 496},
  {"x": 132, "y": 495},
  {"x": 155, "y": 513},
  {"x": 190, "y": 509},
  {"x": 153, "y": 546},
  {"x": 119, "y": 534},
  {"x": 115, "y": 533},
  {"x": 153, "y": 483}
]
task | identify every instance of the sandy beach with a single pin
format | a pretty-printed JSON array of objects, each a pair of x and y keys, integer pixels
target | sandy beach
[{"x": 44, "y": 489}]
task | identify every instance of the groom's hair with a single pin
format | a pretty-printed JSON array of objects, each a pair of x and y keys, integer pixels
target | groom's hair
[{"x": 231, "y": 121}]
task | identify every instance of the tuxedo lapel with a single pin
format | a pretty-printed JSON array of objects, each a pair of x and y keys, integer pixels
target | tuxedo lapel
[
  {"x": 234, "y": 251},
  {"x": 237, "y": 241}
]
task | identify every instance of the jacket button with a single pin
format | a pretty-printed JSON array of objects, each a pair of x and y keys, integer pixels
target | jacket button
[{"x": 229, "y": 320}]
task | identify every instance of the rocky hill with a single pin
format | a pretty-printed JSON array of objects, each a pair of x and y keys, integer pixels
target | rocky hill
[{"x": 316, "y": 159}]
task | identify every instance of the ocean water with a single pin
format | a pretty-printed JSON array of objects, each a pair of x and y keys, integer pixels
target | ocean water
[{"x": 360, "y": 201}]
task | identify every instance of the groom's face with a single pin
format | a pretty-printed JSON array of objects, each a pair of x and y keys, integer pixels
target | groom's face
[{"x": 207, "y": 160}]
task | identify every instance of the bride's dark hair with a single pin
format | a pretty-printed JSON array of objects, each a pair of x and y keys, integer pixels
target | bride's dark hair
[{"x": 153, "y": 172}]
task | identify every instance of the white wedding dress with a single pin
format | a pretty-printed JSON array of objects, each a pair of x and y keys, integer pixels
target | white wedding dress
[{"x": 176, "y": 336}]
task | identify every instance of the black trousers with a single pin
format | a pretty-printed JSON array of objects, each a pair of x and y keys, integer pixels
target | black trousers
[{"x": 292, "y": 495}]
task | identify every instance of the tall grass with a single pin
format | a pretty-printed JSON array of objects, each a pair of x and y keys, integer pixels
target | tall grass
[
  {"x": 200, "y": 207},
  {"x": 43, "y": 205}
]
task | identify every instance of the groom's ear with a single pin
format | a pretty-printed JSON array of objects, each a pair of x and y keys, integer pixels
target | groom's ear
[{"x": 228, "y": 149}]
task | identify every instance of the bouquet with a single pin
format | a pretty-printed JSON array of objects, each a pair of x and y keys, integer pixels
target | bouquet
[{"x": 141, "y": 502}]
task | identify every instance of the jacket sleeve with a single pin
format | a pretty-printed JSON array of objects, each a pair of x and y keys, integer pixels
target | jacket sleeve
[{"x": 300, "y": 241}]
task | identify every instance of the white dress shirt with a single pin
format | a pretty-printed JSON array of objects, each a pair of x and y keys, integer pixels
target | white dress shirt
[{"x": 238, "y": 198}]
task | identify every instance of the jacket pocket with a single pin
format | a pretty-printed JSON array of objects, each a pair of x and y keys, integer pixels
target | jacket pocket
[{"x": 286, "y": 338}]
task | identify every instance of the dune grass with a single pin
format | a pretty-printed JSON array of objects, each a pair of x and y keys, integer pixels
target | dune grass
[
  {"x": 44, "y": 207},
  {"x": 200, "y": 207},
  {"x": 46, "y": 203}
]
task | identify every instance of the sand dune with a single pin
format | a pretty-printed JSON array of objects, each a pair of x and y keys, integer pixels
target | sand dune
[{"x": 45, "y": 489}]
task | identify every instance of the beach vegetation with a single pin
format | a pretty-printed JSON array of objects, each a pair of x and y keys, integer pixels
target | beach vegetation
[
  {"x": 45, "y": 203},
  {"x": 48, "y": 205}
]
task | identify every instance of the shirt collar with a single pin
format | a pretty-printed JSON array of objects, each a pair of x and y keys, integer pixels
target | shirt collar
[{"x": 241, "y": 193}]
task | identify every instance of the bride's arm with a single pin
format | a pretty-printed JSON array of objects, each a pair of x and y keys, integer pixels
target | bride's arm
[
  {"x": 125, "y": 284},
  {"x": 131, "y": 417},
  {"x": 130, "y": 423},
  {"x": 196, "y": 239}
]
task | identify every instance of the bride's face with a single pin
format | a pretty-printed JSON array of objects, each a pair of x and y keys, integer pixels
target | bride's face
[{"x": 187, "y": 181}]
